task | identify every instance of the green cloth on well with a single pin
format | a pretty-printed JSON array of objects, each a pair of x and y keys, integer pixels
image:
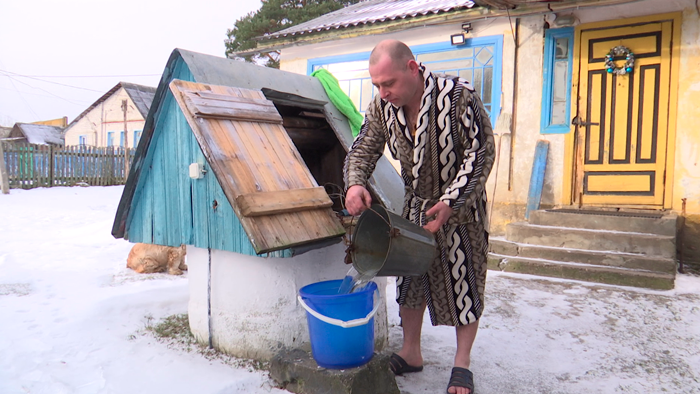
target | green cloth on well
[{"x": 340, "y": 99}]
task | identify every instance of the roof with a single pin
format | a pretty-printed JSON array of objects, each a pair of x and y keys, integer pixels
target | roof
[
  {"x": 40, "y": 134},
  {"x": 376, "y": 16},
  {"x": 5, "y": 131},
  {"x": 212, "y": 70},
  {"x": 280, "y": 204},
  {"x": 141, "y": 95},
  {"x": 372, "y": 11}
]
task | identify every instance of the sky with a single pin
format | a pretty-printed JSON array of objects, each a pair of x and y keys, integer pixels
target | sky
[
  {"x": 72, "y": 320},
  {"x": 58, "y": 57}
]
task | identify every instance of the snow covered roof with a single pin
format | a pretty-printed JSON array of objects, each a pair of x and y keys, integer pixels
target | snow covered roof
[
  {"x": 38, "y": 133},
  {"x": 372, "y": 11}
]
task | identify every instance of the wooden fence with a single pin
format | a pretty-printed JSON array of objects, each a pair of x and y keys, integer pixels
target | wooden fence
[{"x": 30, "y": 165}]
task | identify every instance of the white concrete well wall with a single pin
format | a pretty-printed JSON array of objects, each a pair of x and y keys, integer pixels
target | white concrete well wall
[{"x": 254, "y": 307}]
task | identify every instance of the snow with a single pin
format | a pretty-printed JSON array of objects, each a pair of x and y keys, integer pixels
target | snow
[
  {"x": 72, "y": 320},
  {"x": 42, "y": 134}
]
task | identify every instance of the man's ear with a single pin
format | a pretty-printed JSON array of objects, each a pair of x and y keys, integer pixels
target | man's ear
[{"x": 413, "y": 67}]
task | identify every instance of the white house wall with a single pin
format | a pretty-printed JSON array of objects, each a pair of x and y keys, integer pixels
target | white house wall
[
  {"x": 513, "y": 181},
  {"x": 105, "y": 117},
  {"x": 510, "y": 204},
  {"x": 89, "y": 125},
  {"x": 254, "y": 309},
  {"x": 687, "y": 174},
  {"x": 295, "y": 60}
]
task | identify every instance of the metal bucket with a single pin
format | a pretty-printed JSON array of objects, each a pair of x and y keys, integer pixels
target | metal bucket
[{"x": 386, "y": 244}]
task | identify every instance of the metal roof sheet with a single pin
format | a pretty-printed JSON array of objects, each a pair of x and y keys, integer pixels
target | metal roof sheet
[
  {"x": 142, "y": 96},
  {"x": 372, "y": 11}
]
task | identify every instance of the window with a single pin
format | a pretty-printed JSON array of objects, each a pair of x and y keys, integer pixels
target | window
[
  {"x": 82, "y": 140},
  {"x": 478, "y": 61},
  {"x": 137, "y": 138},
  {"x": 353, "y": 78},
  {"x": 556, "y": 91},
  {"x": 110, "y": 138},
  {"x": 121, "y": 138}
]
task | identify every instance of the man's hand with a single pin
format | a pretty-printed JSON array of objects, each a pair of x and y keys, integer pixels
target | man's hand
[
  {"x": 441, "y": 211},
  {"x": 357, "y": 200}
]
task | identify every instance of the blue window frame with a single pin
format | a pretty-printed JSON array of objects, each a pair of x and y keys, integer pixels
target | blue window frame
[
  {"x": 137, "y": 137},
  {"x": 478, "y": 61},
  {"x": 82, "y": 140},
  {"x": 121, "y": 138},
  {"x": 110, "y": 138},
  {"x": 556, "y": 90}
]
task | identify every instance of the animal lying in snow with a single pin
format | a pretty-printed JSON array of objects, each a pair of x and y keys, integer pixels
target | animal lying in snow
[{"x": 147, "y": 258}]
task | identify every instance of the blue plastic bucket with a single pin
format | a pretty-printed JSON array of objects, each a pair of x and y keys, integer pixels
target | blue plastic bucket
[{"x": 341, "y": 326}]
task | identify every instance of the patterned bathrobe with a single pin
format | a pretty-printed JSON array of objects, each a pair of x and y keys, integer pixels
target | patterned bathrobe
[{"x": 448, "y": 160}]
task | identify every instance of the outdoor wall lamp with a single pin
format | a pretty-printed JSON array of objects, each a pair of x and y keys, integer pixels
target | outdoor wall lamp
[
  {"x": 461, "y": 38},
  {"x": 559, "y": 20},
  {"x": 565, "y": 20},
  {"x": 457, "y": 39}
]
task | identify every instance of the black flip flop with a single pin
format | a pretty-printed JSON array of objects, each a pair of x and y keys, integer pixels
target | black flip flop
[
  {"x": 399, "y": 366},
  {"x": 461, "y": 377}
]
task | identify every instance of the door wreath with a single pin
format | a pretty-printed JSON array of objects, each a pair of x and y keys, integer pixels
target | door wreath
[{"x": 619, "y": 51}]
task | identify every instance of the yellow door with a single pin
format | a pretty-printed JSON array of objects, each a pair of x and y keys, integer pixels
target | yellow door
[{"x": 622, "y": 120}]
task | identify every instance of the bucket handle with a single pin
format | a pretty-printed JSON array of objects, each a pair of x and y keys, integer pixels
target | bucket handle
[{"x": 341, "y": 323}]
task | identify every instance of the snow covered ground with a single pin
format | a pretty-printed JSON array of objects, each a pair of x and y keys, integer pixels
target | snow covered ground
[{"x": 72, "y": 320}]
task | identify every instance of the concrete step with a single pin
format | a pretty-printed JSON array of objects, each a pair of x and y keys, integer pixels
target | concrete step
[
  {"x": 296, "y": 371},
  {"x": 601, "y": 240},
  {"x": 583, "y": 272},
  {"x": 637, "y": 222},
  {"x": 592, "y": 257}
]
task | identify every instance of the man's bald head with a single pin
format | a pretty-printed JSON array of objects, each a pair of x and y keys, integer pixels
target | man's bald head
[
  {"x": 396, "y": 74},
  {"x": 397, "y": 51}
]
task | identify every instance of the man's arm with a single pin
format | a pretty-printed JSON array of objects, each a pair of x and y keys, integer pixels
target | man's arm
[{"x": 361, "y": 161}]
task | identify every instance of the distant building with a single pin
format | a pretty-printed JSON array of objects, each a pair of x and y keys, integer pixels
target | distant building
[
  {"x": 37, "y": 134},
  {"x": 5, "y": 132},
  {"x": 102, "y": 124},
  {"x": 60, "y": 122}
]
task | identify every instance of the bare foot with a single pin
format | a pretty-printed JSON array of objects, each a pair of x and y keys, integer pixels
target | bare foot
[
  {"x": 458, "y": 390},
  {"x": 460, "y": 381}
]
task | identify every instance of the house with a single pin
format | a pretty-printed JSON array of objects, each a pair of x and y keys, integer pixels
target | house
[
  {"x": 102, "y": 123},
  {"x": 230, "y": 165},
  {"x": 608, "y": 87},
  {"x": 60, "y": 122},
  {"x": 36, "y": 134},
  {"x": 5, "y": 132}
]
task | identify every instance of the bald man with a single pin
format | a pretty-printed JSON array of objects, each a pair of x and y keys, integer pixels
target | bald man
[{"x": 436, "y": 127}]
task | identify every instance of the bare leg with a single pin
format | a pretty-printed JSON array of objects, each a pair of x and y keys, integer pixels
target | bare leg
[
  {"x": 465, "y": 340},
  {"x": 412, "y": 322}
]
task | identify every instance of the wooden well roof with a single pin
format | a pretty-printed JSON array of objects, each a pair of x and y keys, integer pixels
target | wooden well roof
[{"x": 253, "y": 163}]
